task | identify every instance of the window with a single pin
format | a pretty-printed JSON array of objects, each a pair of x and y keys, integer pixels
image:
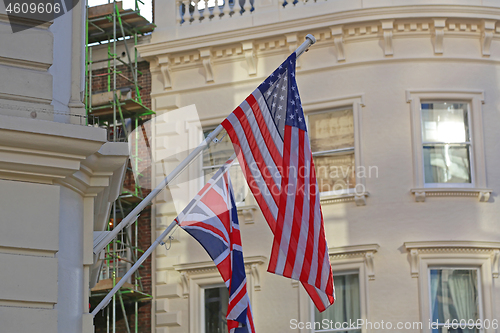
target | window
[
  {"x": 353, "y": 267},
  {"x": 446, "y": 143},
  {"x": 454, "y": 298},
  {"x": 215, "y": 156},
  {"x": 334, "y": 128},
  {"x": 456, "y": 280},
  {"x": 331, "y": 135},
  {"x": 215, "y": 303},
  {"x": 347, "y": 307},
  {"x": 448, "y": 147}
]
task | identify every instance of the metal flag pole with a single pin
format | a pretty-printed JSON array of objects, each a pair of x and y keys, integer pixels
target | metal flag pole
[{"x": 310, "y": 40}]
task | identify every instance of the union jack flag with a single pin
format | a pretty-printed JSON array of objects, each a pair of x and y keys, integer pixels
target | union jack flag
[
  {"x": 269, "y": 133},
  {"x": 212, "y": 219}
]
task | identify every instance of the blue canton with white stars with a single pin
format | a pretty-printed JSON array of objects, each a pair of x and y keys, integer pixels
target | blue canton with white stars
[{"x": 282, "y": 96}]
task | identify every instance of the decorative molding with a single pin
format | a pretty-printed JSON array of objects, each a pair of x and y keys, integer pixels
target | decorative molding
[
  {"x": 364, "y": 253},
  {"x": 496, "y": 263},
  {"x": 337, "y": 33},
  {"x": 483, "y": 195},
  {"x": 165, "y": 70},
  {"x": 358, "y": 198},
  {"x": 439, "y": 25},
  {"x": 206, "y": 57},
  {"x": 248, "y": 49},
  {"x": 487, "y": 36},
  {"x": 457, "y": 248},
  {"x": 387, "y": 27},
  {"x": 189, "y": 270},
  {"x": 248, "y": 213},
  {"x": 184, "y": 284},
  {"x": 255, "y": 276}
]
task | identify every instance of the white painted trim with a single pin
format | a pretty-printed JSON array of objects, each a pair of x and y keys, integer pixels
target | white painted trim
[
  {"x": 356, "y": 102},
  {"x": 200, "y": 275},
  {"x": 354, "y": 258},
  {"x": 463, "y": 254},
  {"x": 475, "y": 98}
]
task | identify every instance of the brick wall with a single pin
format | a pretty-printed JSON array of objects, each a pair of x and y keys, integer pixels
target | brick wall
[{"x": 100, "y": 84}]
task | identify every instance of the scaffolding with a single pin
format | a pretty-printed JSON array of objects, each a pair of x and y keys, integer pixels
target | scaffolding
[{"x": 119, "y": 109}]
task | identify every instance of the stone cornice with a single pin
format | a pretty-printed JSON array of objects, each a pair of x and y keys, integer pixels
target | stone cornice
[
  {"x": 43, "y": 151},
  {"x": 98, "y": 170},
  {"x": 308, "y": 24},
  {"x": 209, "y": 266}
]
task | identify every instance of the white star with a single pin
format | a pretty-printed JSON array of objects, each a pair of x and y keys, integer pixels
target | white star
[
  {"x": 281, "y": 66},
  {"x": 293, "y": 102},
  {"x": 279, "y": 76},
  {"x": 285, "y": 78},
  {"x": 293, "y": 88},
  {"x": 291, "y": 116},
  {"x": 272, "y": 74},
  {"x": 282, "y": 97},
  {"x": 283, "y": 88},
  {"x": 296, "y": 96},
  {"x": 275, "y": 95},
  {"x": 280, "y": 107},
  {"x": 278, "y": 116},
  {"x": 274, "y": 104},
  {"x": 293, "y": 74},
  {"x": 300, "y": 119},
  {"x": 268, "y": 93},
  {"x": 291, "y": 62}
]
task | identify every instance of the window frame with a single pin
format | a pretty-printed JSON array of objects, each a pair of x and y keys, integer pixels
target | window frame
[
  {"x": 477, "y": 187},
  {"x": 470, "y": 144},
  {"x": 483, "y": 256},
  {"x": 202, "y": 289},
  {"x": 356, "y": 103},
  {"x": 479, "y": 288},
  {"x": 348, "y": 259},
  {"x": 313, "y": 312},
  {"x": 197, "y": 276},
  {"x": 336, "y": 152}
]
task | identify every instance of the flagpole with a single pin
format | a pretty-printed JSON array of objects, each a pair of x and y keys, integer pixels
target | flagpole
[{"x": 132, "y": 216}]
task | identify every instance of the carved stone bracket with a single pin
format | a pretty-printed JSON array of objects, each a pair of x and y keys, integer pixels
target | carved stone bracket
[
  {"x": 487, "y": 36},
  {"x": 248, "y": 213},
  {"x": 184, "y": 284},
  {"x": 293, "y": 42},
  {"x": 439, "y": 25},
  {"x": 255, "y": 277},
  {"x": 206, "y": 57},
  {"x": 338, "y": 40},
  {"x": 164, "y": 63},
  {"x": 250, "y": 56},
  {"x": 414, "y": 262},
  {"x": 387, "y": 27},
  {"x": 496, "y": 263}
]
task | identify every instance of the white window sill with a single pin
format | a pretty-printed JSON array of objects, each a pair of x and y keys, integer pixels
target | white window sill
[
  {"x": 483, "y": 194},
  {"x": 343, "y": 196}
]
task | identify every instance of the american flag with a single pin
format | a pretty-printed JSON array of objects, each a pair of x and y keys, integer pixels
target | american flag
[
  {"x": 212, "y": 219},
  {"x": 269, "y": 133}
]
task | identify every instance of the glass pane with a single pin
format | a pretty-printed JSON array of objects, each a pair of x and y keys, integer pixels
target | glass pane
[
  {"x": 335, "y": 172},
  {"x": 454, "y": 296},
  {"x": 216, "y": 300},
  {"x": 445, "y": 122},
  {"x": 237, "y": 179},
  {"x": 331, "y": 130},
  {"x": 218, "y": 154},
  {"x": 347, "y": 305},
  {"x": 447, "y": 164}
]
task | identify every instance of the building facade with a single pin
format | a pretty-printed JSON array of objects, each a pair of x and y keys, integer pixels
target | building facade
[
  {"x": 401, "y": 100},
  {"x": 58, "y": 176}
]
